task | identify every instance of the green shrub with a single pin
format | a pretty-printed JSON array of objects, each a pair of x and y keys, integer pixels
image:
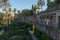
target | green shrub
[
  {"x": 30, "y": 25},
  {"x": 18, "y": 38},
  {"x": 40, "y": 35}
]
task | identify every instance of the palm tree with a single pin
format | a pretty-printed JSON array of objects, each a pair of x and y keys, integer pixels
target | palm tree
[
  {"x": 32, "y": 7},
  {"x": 48, "y": 3},
  {"x": 40, "y": 3},
  {"x": 9, "y": 10},
  {"x": 14, "y": 10},
  {"x": 18, "y": 11},
  {"x": 4, "y": 4},
  {"x": 14, "y": 13}
]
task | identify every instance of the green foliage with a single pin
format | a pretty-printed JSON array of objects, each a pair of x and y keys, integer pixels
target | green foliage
[
  {"x": 19, "y": 11},
  {"x": 57, "y": 2},
  {"x": 40, "y": 35},
  {"x": 9, "y": 10},
  {"x": 1, "y": 18},
  {"x": 5, "y": 0},
  {"x": 30, "y": 25},
  {"x": 32, "y": 7},
  {"x": 4, "y": 4},
  {"x": 18, "y": 38},
  {"x": 14, "y": 10},
  {"x": 18, "y": 31},
  {"x": 27, "y": 12},
  {"x": 50, "y": 4},
  {"x": 41, "y": 2}
]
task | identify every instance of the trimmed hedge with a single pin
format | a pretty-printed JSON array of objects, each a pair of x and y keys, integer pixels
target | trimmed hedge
[
  {"x": 18, "y": 38},
  {"x": 29, "y": 25},
  {"x": 16, "y": 30},
  {"x": 40, "y": 35}
]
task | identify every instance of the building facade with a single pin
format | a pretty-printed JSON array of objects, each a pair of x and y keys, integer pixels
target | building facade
[{"x": 48, "y": 21}]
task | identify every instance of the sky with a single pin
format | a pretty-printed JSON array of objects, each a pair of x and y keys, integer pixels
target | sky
[{"x": 25, "y": 4}]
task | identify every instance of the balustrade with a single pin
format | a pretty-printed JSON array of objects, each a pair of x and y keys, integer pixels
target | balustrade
[{"x": 50, "y": 31}]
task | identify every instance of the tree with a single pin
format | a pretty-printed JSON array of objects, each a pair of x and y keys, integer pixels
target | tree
[
  {"x": 1, "y": 18},
  {"x": 18, "y": 11},
  {"x": 14, "y": 11},
  {"x": 40, "y": 3},
  {"x": 50, "y": 4},
  {"x": 32, "y": 7},
  {"x": 27, "y": 12},
  {"x": 57, "y": 2},
  {"x": 9, "y": 10},
  {"x": 4, "y": 4}
]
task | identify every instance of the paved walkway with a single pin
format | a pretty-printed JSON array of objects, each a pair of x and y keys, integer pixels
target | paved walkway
[{"x": 33, "y": 36}]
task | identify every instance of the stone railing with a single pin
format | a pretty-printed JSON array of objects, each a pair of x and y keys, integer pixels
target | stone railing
[{"x": 50, "y": 31}]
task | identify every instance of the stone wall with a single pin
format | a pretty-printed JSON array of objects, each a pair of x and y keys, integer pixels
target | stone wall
[{"x": 49, "y": 30}]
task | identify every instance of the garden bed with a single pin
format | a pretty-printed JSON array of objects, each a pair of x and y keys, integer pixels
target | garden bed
[
  {"x": 40, "y": 35},
  {"x": 18, "y": 30}
]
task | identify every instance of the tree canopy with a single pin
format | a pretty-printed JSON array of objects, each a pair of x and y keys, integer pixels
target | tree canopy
[
  {"x": 57, "y": 2},
  {"x": 50, "y": 4},
  {"x": 4, "y": 4},
  {"x": 41, "y": 2},
  {"x": 27, "y": 12},
  {"x": 1, "y": 17}
]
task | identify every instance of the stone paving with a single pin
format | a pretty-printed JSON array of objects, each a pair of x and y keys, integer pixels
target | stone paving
[{"x": 33, "y": 36}]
